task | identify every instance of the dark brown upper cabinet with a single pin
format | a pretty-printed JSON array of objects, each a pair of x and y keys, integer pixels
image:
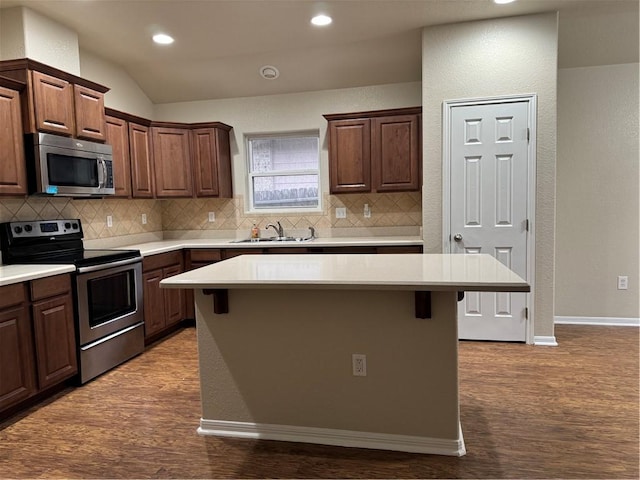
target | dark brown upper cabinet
[
  {"x": 13, "y": 172},
  {"x": 212, "y": 161},
  {"x": 89, "y": 110},
  {"x": 141, "y": 161},
  {"x": 376, "y": 151},
  {"x": 172, "y": 162},
  {"x": 117, "y": 135},
  {"x": 58, "y": 102}
]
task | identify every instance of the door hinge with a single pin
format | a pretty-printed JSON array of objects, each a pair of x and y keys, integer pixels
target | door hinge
[
  {"x": 526, "y": 313},
  {"x": 528, "y": 134},
  {"x": 526, "y": 224}
]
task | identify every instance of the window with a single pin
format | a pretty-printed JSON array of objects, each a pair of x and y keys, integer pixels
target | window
[{"x": 284, "y": 171}]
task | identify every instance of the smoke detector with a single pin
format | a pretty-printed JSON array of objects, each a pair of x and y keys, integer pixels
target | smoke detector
[{"x": 269, "y": 72}]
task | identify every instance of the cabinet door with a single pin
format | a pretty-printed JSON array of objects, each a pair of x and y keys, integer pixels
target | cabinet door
[
  {"x": 197, "y": 258},
  {"x": 13, "y": 174},
  {"x": 154, "y": 315},
  {"x": 117, "y": 135},
  {"x": 141, "y": 161},
  {"x": 89, "y": 109},
  {"x": 55, "y": 340},
  {"x": 395, "y": 153},
  {"x": 17, "y": 371},
  {"x": 174, "y": 301},
  {"x": 350, "y": 156},
  {"x": 211, "y": 163},
  {"x": 172, "y": 162},
  {"x": 53, "y": 104}
]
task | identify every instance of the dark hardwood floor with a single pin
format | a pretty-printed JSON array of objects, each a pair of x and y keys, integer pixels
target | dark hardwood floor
[{"x": 527, "y": 412}]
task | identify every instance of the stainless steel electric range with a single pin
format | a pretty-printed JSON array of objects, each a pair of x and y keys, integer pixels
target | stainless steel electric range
[{"x": 107, "y": 288}]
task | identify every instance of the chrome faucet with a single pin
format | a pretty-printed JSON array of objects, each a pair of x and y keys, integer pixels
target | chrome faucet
[
  {"x": 279, "y": 230},
  {"x": 312, "y": 235}
]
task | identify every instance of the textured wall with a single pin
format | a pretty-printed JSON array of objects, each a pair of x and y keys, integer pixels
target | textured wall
[
  {"x": 93, "y": 214},
  {"x": 488, "y": 58},
  {"x": 387, "y": 210},
  {"x": 124, "y": 93},
  {"x": 598, "y": 199},
  {"x": 11, "y": 34},
  {"x": 50, "y": 42},
  {"x": 292, "y": 366}
]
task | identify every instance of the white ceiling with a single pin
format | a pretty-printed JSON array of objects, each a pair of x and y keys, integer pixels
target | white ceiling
[{"x": 221, "y": 44}]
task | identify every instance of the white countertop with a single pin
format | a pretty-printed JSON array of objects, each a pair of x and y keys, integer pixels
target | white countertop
[
  {"x": 22, "y": 273},
  {"x": 437, "y": 272},
  {"x": 164, "y": 246}
]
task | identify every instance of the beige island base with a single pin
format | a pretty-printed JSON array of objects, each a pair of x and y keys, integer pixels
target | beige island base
[{"x": 276, "y": 336}]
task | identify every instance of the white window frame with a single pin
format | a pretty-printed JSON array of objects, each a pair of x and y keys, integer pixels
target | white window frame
[{"x": 251, "y": 175}]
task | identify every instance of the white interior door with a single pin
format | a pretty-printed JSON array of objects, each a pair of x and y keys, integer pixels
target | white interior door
[{"x": 488, "y": 209}]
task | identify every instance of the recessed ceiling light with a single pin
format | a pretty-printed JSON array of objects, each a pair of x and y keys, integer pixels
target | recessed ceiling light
[
  {"x": 503, "y": 2},
  {"x": 269, "y": 72},
  {"x": 321, "y": 20},
  {"x": 163, "y": 39}
]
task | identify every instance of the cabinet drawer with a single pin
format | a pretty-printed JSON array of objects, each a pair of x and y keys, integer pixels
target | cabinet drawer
[
  {"x": 50, "y": 286},
  {"x": 206, "y": 255},
  {"x": 12, "y": 295},
  {"x": 161, "y": 260},
  {"x": 235, "y": 252},
  {"x": 401, "y": 249}
]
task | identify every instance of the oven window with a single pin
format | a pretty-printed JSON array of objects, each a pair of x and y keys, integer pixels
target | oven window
[
  {"x": 111, "y": 297},
  {"x": 68, "y": 171}
]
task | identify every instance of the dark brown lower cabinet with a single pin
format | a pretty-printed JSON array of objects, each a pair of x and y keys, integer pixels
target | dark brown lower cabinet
[
  {"x": 53, "y": 329},
  {"x": 17, "y": 372},
  {"x": 163, "y": 308},
  {"x": 37, "y": 338}
]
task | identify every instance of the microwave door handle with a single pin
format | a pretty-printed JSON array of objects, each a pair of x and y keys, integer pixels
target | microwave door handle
[{"x": 102, "y": 173}]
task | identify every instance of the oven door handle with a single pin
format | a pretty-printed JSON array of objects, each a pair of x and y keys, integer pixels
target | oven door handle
[{"x": 104, "y": 266}]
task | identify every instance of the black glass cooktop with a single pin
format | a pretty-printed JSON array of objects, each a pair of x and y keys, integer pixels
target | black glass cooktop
[{"x": 79, "y": 258}]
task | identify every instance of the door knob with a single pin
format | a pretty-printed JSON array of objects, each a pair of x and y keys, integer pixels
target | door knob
[{"x": 457, "y": 237}]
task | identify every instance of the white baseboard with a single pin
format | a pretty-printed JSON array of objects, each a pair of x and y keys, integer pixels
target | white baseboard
[
  {"x": 327, "y": 436},
  {"x": 545, "y": 341},
  {"x": 604, "y": 321}
]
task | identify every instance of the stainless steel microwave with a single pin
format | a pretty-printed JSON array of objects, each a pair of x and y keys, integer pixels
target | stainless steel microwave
[{"x": 63, "y": 166}]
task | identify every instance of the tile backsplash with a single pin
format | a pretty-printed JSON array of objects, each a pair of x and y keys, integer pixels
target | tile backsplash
[
  {"x": 387, "y": 210},
  {"x": 126, "y": 214}
]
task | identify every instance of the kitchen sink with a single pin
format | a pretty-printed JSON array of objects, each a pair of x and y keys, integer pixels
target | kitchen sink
[{"x": 272, "y": 240}]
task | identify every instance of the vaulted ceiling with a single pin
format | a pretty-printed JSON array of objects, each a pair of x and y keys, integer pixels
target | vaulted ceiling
[{"x": 220, "y": 45}]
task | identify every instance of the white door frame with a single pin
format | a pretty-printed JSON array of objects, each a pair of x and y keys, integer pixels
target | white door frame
[{"x": 531, "y": 99}]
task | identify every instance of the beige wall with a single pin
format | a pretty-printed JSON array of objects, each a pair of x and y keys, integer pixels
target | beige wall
[
  {"x": 598, "y": 192},
  {"x": 124, "y": 93},
  {"x": 295, "y": 366},
  {"x": 25, "y": 33},
  {"x": 12, "y": 42},
  {"x": 488, "y": 58}
]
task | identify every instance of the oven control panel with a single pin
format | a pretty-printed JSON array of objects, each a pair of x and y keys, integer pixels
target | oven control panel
[{"x": 44, "y": 228}]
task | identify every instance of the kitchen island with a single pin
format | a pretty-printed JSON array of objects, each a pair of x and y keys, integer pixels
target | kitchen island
[{"x": 277, "y": 335}]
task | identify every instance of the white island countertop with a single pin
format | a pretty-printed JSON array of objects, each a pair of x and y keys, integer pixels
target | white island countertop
[{"x": 437, "y": 272}]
